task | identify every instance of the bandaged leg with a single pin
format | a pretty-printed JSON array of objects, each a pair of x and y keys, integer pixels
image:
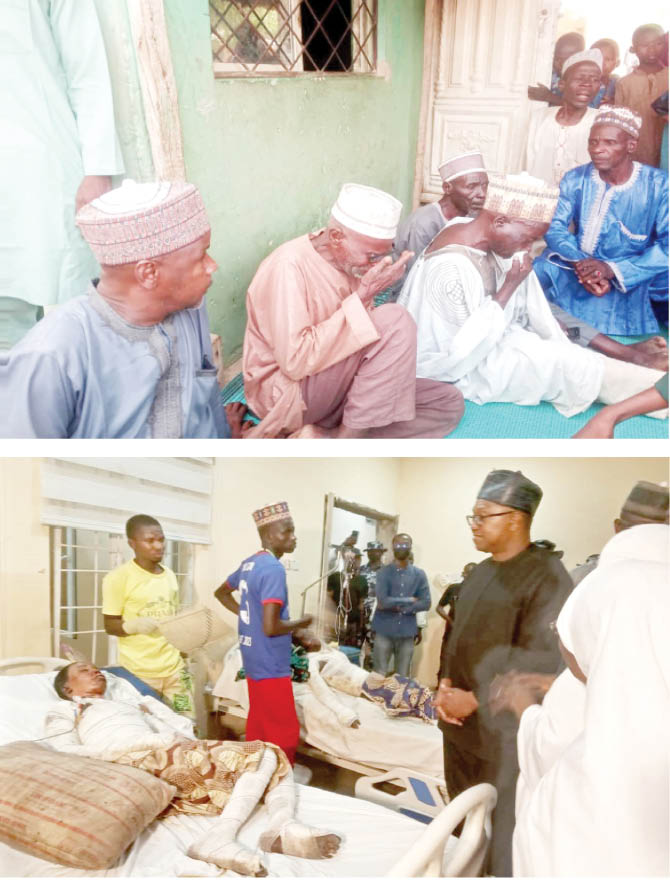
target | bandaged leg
[
  {"x": 219, "y": 846},
  {"x": 622, "y": 380},
  {"x": 285, "y": 834}
]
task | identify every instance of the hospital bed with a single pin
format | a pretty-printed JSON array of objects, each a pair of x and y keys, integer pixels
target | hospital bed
[
  {"x": 380, "y": 744},
  {"x": 376, "y": 840}
]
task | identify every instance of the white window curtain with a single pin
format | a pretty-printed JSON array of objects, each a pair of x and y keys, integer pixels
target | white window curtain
[{"x": 102, "y": 493}]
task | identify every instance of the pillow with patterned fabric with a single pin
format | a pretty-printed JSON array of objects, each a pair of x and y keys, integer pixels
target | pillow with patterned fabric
[{"x": 72, "y": 810}]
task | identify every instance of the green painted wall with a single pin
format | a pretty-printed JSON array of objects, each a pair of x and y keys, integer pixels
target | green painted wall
[{"x": 270, "y": 154}]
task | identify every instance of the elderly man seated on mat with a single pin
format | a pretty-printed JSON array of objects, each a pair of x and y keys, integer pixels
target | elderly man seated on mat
[
  {"x": 319, "y": 359},
  {"x": 223, "y": 778},
  {"x": 484, "y": 322}
]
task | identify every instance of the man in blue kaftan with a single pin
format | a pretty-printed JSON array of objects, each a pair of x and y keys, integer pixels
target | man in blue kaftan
[
  {"x": 607, "y": 246},
  {"x": 132, "y": 358}
]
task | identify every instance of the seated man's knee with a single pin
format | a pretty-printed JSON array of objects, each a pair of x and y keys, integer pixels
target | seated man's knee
[{"x": 392, "y": 316}]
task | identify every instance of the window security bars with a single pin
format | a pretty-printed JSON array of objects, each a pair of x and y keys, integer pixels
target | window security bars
[
  {"x": 81, "y": 559},
  {"x": 260, "y": 37}
]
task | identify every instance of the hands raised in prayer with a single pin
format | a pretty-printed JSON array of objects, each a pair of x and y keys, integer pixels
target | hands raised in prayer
[
  {"x": 594, "y": 275},
  {"x": 382, "y": 275},
  {"x": 454, "y": 705},
  {"x": 515, "y": 691},
  {"x": 520, "y": 270}
]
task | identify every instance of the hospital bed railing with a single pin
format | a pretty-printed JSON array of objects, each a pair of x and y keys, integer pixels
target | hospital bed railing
[{"x": 464, "y": 856}]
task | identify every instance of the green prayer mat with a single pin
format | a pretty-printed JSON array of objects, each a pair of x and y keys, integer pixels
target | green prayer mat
[{"x": 516, "y": 421}]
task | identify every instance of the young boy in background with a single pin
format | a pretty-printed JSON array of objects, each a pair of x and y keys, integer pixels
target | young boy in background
[
  {"x": 609, "y": 50},
  {"x": 642, "y": 87}
]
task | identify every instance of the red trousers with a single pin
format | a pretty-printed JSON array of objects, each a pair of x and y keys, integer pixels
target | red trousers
[{"x": 272, "y": 715}]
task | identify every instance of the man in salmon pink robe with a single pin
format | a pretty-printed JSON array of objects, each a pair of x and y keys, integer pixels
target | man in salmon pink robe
[{"x": 319, "y": 359}]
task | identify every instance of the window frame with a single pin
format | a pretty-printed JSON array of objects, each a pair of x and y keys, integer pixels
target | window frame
[
  {"x": 64, "y": 544},
  {"x": 363, "y": 30}
]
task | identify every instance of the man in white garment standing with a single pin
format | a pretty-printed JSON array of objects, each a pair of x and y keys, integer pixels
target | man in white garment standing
[
  {"x": 558, "y": 136},
  {"x": 464, "y": 185},
  {"x": 59, "y": 151},
  {"x": 483, "y": 322}
]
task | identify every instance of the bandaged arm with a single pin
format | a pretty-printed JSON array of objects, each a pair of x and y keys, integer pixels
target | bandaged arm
[{"x": 345, "y": 715}]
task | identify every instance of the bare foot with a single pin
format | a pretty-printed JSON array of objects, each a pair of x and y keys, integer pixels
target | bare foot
[
  {"x": 235, "y": 412},
  {"x": 597, "y": 427},
  {"x": 327, "y": 844},
  {"x": 651, "y": 353}
]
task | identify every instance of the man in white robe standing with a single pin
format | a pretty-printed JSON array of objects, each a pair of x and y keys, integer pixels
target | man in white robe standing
[
  {"x": 483, "y": 322},
  {"x": 59, "y": 150}
]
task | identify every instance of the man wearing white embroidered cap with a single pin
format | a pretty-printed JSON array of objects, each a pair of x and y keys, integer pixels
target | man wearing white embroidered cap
[
  {"x": 558, "y": 136},
  {"x": 319, "y": 359},
  {"x": 132, "y": 357},
  {"x": 464, "y": 183},
  {"x": 484, "y": 323}
]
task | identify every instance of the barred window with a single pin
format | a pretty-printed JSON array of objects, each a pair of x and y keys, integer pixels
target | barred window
[
  {"x": 81, "y": 559},
  {"x": 260, "y": 37}
]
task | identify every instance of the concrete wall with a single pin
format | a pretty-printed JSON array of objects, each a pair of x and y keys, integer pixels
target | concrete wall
[
  {"x": 25, "y": 611},
  {"x": 270, "y": 154},
  {"x": 242, "y": 485},
  {"x": 431, "y": 496}
]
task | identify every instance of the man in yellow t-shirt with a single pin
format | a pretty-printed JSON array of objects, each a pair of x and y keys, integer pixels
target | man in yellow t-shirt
[{"x": 134, "y": 597}]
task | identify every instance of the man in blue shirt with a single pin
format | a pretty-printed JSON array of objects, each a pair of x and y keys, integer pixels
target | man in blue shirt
[
  {"x": 132, "y": 356},
  {"x": 265, "y": 630},
  {"x": 402, "y": 591}
]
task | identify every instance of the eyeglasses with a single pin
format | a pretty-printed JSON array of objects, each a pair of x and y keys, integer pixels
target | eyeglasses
[{"x": 477, "y": 519}]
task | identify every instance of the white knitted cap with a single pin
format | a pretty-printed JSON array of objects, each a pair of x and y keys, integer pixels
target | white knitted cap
[{"x": 368, "y": 211}]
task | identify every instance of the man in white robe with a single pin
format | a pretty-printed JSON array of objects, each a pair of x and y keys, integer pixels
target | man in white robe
[
  {"x": 484, "y": 323},
  {"x": 558, "y": 136},
  {"x": 59, "y": 150}
]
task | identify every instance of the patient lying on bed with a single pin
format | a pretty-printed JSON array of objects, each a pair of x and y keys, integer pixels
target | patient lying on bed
[
  {"x": 331, "y": 671},
  {"x": 212, "y": 777}
]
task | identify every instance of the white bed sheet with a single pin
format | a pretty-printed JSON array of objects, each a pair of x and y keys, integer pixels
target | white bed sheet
[
  {"x": 374, "y": 838},
  {"x": 381, "y": 741}
]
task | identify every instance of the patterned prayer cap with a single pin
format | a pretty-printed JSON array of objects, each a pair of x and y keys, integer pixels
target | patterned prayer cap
[
  {"x": 522, "y": 197},
  {"x": 513, "y": 489},
  {"x": 622, "y": 117},
  {"x": 368, "y": 211},
  {"x": 463, "y": 164},
  {"x": 593, "y": 55},
  {"x": 277, "y": 512},
  {"x": 647, "y": 503},
  {"x": 140, "y": 221}
]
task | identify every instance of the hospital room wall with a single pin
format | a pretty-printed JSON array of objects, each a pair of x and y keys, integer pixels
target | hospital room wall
[
  {"x": 269, "y": 154},
  {"x": 242, "y": 485},
  {"x": 581, "y": 499},
  {"x": 25, "y": 611}
]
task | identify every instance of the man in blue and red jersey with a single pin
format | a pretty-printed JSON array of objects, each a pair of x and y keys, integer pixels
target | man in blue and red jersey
[{"x": 265, "y": 630}]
